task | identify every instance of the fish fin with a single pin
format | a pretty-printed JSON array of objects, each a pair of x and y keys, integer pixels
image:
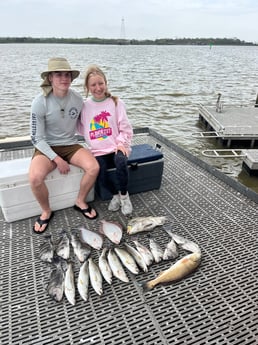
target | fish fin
[
  {"x": 101, "y": 227},
  {"x": 168, "y": 231},
  {"x": 75, "y": 232},
  {"x": 110, "y": 245},
  {"x": 48, "y": 237},
  {"x": 122, "y": 242},
  {"x": 184, "y": 260}
]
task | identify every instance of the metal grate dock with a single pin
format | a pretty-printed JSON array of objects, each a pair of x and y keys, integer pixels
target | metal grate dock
[{"x": 217, "y": 304}]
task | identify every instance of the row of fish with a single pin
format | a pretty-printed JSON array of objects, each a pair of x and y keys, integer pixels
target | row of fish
[
  {"x": 64, "y": 283},
  {"x": 113, "y": 259},
  {"x": 111, "y": 263},
  {"x": 48, "y": 249},
  {"x": 83, "y": 240},
  {"x": 114, "y": 231},
  {"x": 62, "y": 280}
]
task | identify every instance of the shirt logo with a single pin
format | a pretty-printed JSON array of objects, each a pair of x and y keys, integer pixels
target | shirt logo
[
  {"x": 73, "y": 113},
  {"x": 99, "y": 126}
]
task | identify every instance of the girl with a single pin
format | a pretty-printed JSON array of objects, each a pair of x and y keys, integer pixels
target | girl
[{"x": 106, "y": 129}]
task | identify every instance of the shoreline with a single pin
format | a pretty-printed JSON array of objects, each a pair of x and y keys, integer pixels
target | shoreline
[{"x": 161, "y": 41}]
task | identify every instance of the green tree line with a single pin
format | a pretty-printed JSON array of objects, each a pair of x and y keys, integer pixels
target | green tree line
[{"x": 160, "y": 41}]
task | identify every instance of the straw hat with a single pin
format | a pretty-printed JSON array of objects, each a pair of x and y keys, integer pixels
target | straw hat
[{"x": 59, "y": 65}]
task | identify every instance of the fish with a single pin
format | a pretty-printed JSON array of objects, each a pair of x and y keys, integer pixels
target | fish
[
  {"x": 83, "y": 280},
  {"x": 95, "y": 276},
  {"x": 137, "y": 257},
  {"x": 127, "y": 260},
  {"x": 148, "y": 223},
  {"x": 63, "y": 246},
  {"x": 176, "y": 272},
  {"x": 184, "y": 243},
  {"x": 69, "y": 285},
  {"x": 92, "y": 238},
  {"x": 104, "y": 266},
  {"x": 116, "y": 266},
  {"x": 145, "y": 252},
  {"x": 112, "y": 230},
  {"x": 171, "y": 250},
  {"x": 55, "y": 287},
  {"x": 81, "y": 250},
  {"x": 46, "y": 249},
  {"x": 156, "y": 250}
]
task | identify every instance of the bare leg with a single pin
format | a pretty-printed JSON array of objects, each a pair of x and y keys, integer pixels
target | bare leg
[
  {"x": 39, "y": 168},
  {"x": 85, "y": 160}
]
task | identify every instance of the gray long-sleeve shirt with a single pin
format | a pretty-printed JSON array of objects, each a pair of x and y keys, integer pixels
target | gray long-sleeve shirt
[{"x": 50, "y": 126}]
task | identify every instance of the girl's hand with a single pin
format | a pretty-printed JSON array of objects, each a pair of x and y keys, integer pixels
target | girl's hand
[{"x": 120, "y": 147}]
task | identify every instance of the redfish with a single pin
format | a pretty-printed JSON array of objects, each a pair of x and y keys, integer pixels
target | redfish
[{"x": 176, "y": 272}]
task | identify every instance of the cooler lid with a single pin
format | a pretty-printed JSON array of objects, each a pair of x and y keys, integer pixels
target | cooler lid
[
  {"x": 144, "y": 153},
  {"x": 14, "y": 170}
]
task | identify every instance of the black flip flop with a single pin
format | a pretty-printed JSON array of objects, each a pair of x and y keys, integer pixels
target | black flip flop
[
  {"x": 42, "y": 222},
  {"x": 86, "y": 210}
]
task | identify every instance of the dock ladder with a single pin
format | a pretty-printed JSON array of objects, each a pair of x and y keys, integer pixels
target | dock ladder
[
  {"x": 210, "y": 134},
  {"x": 224, "y": 153}
]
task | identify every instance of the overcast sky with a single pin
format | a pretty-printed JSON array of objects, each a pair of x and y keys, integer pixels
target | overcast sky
[{"x": 131, "y": 19}]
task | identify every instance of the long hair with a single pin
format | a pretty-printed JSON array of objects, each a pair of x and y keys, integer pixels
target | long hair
[{"x": 95, "y": 70}]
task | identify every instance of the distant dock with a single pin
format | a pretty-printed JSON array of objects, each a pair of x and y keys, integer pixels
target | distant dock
[{"x": 231, "y": 125}]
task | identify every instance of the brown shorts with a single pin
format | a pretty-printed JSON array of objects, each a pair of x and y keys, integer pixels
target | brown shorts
[{"x": 65, "y": 152}]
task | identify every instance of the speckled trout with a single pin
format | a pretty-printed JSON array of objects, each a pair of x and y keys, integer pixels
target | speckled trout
[{"x": 176, "y": 272}]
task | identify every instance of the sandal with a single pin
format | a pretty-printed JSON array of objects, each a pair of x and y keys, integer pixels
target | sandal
[
  {"x": 42, "y": 222},
  {"x": 86, "y": 210}
]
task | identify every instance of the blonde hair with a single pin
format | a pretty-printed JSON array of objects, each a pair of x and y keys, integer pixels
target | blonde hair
[{"x": 93, "y": 70}]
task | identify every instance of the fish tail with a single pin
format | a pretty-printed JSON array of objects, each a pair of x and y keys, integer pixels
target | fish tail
[{"x": 146, "y": 286}]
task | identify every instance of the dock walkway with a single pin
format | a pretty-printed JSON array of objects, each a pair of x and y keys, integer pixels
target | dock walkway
[
  {"x": 231, "y": 125},
  {"x": 217, "y": 304}
]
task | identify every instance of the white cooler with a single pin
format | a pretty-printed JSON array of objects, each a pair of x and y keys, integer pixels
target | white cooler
[{"x": 16, "y": 198}]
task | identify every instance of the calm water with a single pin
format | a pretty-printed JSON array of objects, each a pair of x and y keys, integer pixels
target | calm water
[{"x": 161, "y": 85}]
